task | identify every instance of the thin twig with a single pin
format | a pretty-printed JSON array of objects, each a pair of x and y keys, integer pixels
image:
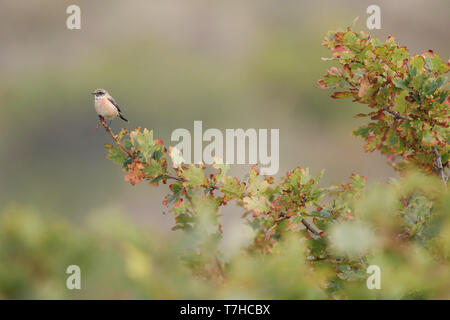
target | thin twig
[
  {"x": 281, "y": 218},
  {"x": 320, "y": 258},
  {"x": 440, "y": 167},
  {"x": 310, "y": 228},
  {"x": 175, "y": 178},
  {"x": 396, "y": 114},
  {"x": 116, "y": 138},
  {"x": 119, "y": 143},
  {"x": 307, "y": 225},
  {"x": 168, "y": 176}
]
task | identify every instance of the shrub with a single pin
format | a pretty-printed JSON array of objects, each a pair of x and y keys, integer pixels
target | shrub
[{"x": 328, "y": 236}]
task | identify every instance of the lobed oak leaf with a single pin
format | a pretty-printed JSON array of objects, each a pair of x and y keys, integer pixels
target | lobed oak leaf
[
  {"x": 258, "y": 205},
  {"x": 195, "y": 176},
  {"x": 116, "y": 154},
  {"x": 232, "y": 188}
]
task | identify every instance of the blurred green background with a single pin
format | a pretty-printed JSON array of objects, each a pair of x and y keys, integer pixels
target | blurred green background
[{"x": 231, "y": 64}]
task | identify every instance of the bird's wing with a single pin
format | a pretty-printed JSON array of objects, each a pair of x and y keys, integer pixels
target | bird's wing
[{"x": 111, "y": 99}]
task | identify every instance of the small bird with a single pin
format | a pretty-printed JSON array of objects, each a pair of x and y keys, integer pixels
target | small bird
[{"x": 106, "y": 107}]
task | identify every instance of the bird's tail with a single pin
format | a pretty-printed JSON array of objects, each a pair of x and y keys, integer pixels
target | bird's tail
[{"x": 122, "y": 117}]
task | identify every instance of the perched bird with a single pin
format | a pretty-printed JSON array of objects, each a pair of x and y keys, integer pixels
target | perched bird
[{"x": 106, "y": 106}]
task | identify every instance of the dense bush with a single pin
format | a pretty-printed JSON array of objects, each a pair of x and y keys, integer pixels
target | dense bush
[
  {"x": 304, "y": 241},
  {"x": 342, "y": 229}
]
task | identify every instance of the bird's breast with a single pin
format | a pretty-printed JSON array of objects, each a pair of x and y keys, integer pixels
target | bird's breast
[{"x": 105, "y": 108}]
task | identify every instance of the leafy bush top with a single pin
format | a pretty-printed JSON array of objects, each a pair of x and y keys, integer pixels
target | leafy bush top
[
  {"x": 407, "y": 95},
  {"x": 342, "y": 229}
]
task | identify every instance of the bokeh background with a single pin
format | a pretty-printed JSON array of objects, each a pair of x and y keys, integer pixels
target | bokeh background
[{"x": 231, "y": 64}]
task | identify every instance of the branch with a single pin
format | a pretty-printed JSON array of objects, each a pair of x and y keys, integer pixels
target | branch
[
  {"x": 319, "y": 258},
  {"x": 440, "y": 167},
  {"x": 168, "y": 176},
  {"x": 307, "y": 225},
  {"x": 396, "y": 114},
  {"x": 175, "y": 178},
  {"x": 131, "y": 155},
  {"x": 281, "y": 218},
  {"x": 310, "y": 227},
  {"x": 115, "y": 138}
]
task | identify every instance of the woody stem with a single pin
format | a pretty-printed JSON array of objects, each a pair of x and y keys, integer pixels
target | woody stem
[
  {"x": 440, "y": 167},
  {"x": 115, "y": 138}
]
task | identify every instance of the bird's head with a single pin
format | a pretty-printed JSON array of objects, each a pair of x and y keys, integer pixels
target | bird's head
[{"x": 99, "y": 93}]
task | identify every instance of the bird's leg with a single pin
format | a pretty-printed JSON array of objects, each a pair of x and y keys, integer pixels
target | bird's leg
[{"x": 109, "y": 124}]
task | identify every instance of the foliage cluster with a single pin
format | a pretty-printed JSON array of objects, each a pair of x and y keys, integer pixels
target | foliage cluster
[
  {"x": 342, "y": 229},
  {"x": 304, "y": 241}
]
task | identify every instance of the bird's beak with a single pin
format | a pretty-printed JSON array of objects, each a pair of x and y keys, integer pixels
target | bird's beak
[{"x": 92, "y": 92}]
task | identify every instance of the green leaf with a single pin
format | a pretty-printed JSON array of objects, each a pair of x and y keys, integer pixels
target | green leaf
[
  {"x": 194, "y": 176},
  {"x": 257, "y": 204},
  {"x": 349, "y": 38},
  {"x": 157, "y": 179},
  {"x": 433, "y": 85},
  {"x": 402, "y": 84},
  {"x": 305, "y": 177},
  {"x": 428, "y": 138},
  {"x": 400, "y": 102},
  {"x": 321, "y": 213},
  {"x": 358, "y": 182},
  {"x": 255, "y": 185},
  {"x": 153, "y": 168},
  {"x": 392, "y": 138},
  {"x": 223, "y": 168},
  {"x": 399, "y": 55},
  {"x": 116, "y": 154},
  {"x": 232, "y": 188},
  {"x": 418, "y": 63},
  {"x": 443, "y": 96},
  {"x": 144, "y": 141},
  {"x": 362, "y": 132},
  {"x": 351, "y": 274},
  {"x": 435, "y": 63}
]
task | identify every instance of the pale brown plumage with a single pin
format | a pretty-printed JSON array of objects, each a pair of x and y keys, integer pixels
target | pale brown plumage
[{"x": 106, "y": 106}]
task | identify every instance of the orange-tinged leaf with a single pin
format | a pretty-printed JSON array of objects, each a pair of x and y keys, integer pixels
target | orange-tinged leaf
[
  {"x": 135, "y": 172},
  {"x": 364, "y": 86}
]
